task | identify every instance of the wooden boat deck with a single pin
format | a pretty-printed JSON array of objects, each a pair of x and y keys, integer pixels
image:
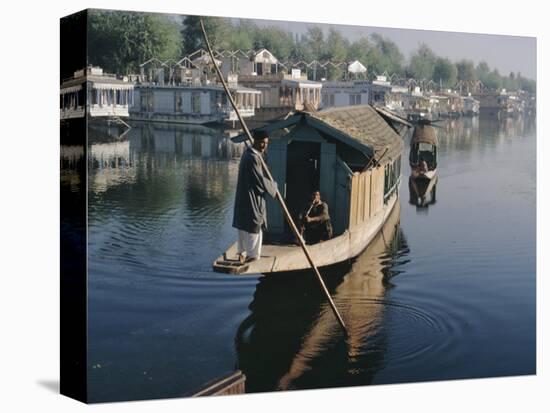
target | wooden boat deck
[
  {"x": 286, "y": 258},
  {"x": 233, "y": 383}
]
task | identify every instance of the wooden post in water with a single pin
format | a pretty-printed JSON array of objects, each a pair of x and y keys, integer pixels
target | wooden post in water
[{"x": 278, "y": 195}]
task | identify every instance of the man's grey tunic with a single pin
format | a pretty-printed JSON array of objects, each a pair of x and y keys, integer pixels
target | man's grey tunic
[{"x": 250, "y": 213}]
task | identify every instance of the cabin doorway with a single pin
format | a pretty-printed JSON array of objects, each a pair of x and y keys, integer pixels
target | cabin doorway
[{"x": 302, "y": 175}]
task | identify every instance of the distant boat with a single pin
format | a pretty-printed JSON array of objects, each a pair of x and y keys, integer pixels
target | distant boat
[
  {"x": 471, "y": 106},
  {"x": 353, "y": 156},
  {"x": 423, "y": 163}
]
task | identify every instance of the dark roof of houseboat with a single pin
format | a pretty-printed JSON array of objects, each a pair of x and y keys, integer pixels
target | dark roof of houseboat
[
  {"x": 424, "y": 133},
  {"x": 360, "y": 127},
  {"x": 365, "y": 125}
]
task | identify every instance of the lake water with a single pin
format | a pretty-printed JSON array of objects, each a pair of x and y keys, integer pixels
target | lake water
[{"x": 447, "y": 291}]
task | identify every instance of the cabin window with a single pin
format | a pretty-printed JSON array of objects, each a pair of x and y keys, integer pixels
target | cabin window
[
  {"x": 81, "y": 97},
  {"x": 144, "y": 100},
  {"x": 392, "y": 173},
  {"x": 178, "y": 102},
  {"x": 426, "y": 152},
  {"x": 355, "y": 99},
  {"x": 377, "y": 97},
  {"x": 196, "y": 102}
]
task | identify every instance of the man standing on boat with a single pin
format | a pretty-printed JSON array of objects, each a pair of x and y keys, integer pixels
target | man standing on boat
[{"x": 249, "y": 215}]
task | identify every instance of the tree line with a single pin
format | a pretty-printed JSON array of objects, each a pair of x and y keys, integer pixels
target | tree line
[{"x": 119, "y": 41}]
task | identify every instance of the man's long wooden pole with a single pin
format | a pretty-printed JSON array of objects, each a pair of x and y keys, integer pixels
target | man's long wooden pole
[{"x": 278, "y": 194}]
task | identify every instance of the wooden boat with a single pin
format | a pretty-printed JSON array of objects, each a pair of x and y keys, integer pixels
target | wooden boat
[
  {"x": 353, "y": 156},
  {"x": 233, "y": 383},
  {"x": 422, "y": 181}
]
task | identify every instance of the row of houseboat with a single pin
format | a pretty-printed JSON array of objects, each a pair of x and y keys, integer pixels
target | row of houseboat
[{"x": 263, "y": 88}]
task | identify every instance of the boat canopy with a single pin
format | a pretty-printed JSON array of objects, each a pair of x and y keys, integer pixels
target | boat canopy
[
  {"x": 424, "y": 134},
  {"x": 360, "y": 127}
]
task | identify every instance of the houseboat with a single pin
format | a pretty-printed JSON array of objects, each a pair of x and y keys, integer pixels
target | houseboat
[
  {"x": 384, "y": 94},
  {"x": 350, "y": 93},
  {"x": 416, "y": 105},
  {"x": 494, "y": 104},
  {"x": 471, "y": 106},
  {"x": 92, "y": 94},
  {"x": 198, "y": 104},
  {"x": 380, "y": 89},
  {"x": 186, "y": 92},
  {"x": 423, "y": 163},
  {"x": 92, "y": 102},
  {"x": 281, "y": 91},
  {"x": 353, "y": 156}
]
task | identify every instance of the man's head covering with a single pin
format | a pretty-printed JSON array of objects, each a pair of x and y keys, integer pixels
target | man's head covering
[{"x": 260, "y": 134}]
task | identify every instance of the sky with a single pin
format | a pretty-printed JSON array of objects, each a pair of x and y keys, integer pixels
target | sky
[{"x": 503, "y": 52}]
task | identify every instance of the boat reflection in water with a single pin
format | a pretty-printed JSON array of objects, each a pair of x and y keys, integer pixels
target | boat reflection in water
[{"x": 292, "y": 340}]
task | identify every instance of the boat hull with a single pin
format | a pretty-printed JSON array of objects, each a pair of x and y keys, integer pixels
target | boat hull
[
  {"x": 420, "y": 186},
  {"x": 288, "y": 258}
]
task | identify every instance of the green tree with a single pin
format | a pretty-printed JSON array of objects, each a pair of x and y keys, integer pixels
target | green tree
[
  {"x": 359, "y": 49},
  {"x": 315, "y": 43},
  {"x": 494, "y": 80},
  {"x": 482, "y": 71},
  {"x": 241, "y": 36},
  {"x": 465, "y": 70},
  {"x": 444, "y": 72},
  {"x": 385, "y": 56},
  {"x": 376, "y": 61},
  {"x": 276, "y": 40},
  {"x": 217, "y": 30},
  {"x": 511, "y": 82},
  {"x": 528, "y": 85},
  {"x": 120, "y": 41},
  {"x": 336, "y": 50},
  {"x": 299, "y": 49},
  {"x": 422, "y": 63}
]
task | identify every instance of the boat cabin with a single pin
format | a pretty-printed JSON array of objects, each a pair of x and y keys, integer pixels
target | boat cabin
[
  {"x": 423, "y": 147},
  {"x": 352, "y": 155}
]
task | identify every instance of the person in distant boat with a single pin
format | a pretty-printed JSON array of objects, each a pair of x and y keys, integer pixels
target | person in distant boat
[
  {"x": 423, "y": 166},
  {"x": 249, "y": 215},
  {"x": 315, "y": 218}
]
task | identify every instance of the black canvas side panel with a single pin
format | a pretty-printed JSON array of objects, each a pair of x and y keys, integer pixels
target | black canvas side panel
[{"x": 73, "y": 179}]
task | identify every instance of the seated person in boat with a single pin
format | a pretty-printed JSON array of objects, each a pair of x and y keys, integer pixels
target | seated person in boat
[
  {"x": 315, "y": 220},
  {"x": 249, "y": 215},
  {"x": 423, "y": 166}
]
